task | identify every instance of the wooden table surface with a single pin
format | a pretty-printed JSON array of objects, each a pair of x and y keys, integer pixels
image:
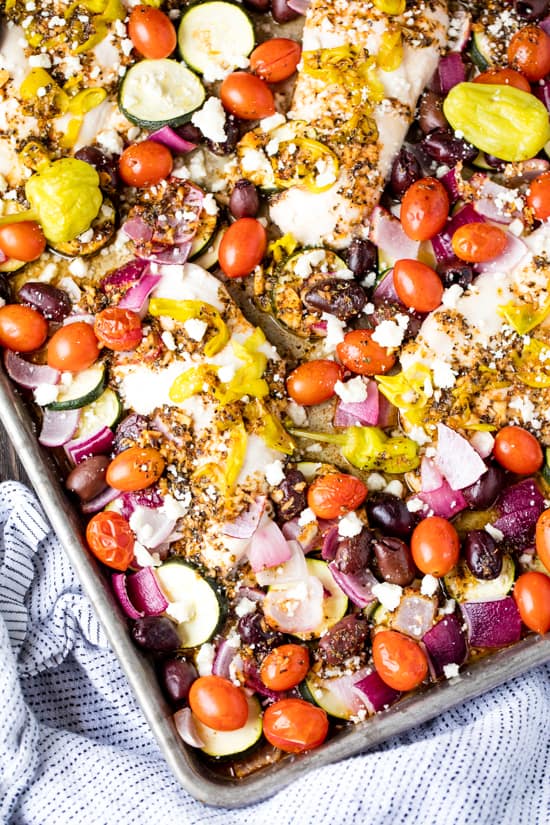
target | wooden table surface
[{"x": 10, "y": 467}]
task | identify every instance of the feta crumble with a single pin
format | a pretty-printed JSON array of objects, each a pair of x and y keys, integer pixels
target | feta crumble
[
  {"x": 494, "y": 532},
  {"x": 205, "y": 659},
  {"x": 429, "y": 585},
  {"x": 389, "y": 595},
  {"x": 350, "y": 525},
  {"x": 307, "y": 516},
  {"x": 244, "y": 607},
  {"x": 450, "y": 671},
  {"x": 351, "y": 392},
  {"x": 45, "y": 394},
  {"x": 195, "y": 328},
  {"x": 210, "y": 119},
  {"x": 274, "y": 473}
]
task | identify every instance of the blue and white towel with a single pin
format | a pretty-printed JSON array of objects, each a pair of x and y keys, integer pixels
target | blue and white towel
[{"x": 75, "y": 750}]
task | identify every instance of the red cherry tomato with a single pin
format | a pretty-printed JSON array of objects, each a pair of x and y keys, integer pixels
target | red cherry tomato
[
  {"x": 152, "y": 32},
  {"x": 218, "y": 703},
  {"x": 22, "y": 328},
  {"x": 360, "y": 354},
  {"x": 73, "y": 347},
  {"x": 478, "y": 242},
  {"x": 538, "y": 196},
  {"x": 335, "y": 494},
  {"x": 242, "y": 247},
  {"x": 118, "y": 329},
  {"x": 285, "y": 667},
  {"x": 247, "y": 96},
  {"x": 435, "y": 546},
  {"x": 135, "y": 469},
  {"x": 294, "y": 725},
  {"x": 542, "y": 539},
  {"x": 517, "y": 450},
  {"x": 424, "y": 209},
  {"x": 313, "y": 381},
  {"x": 532, "y": 596},
  {"x": 145, "y": 164},
  {"x": 417, "y": 285},
  {"x": 398, "y": 660},
  {"x": 23, "y": 241},
  {"x": 529, "y": 52},
  {"x": 504, "y": 77},
  {"x": 111, "y": 540},
  {"x": 276, "y": 59}
]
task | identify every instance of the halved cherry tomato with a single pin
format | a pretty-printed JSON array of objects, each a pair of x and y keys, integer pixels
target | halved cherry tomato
[
  {"x": 276, "y": 59},
  {"x": 478, "y": 242},
  {"x": 313, "y": 381},
  {"x": 247, "y": 96},
  {"x": 529, "y": 52},
  {"x": 542, "y": 538},
  {"x": 152, "y": 32},
  {"x": 360, "y": 354},
  {"x": 242, "y": 248},
  {"x": 504, "y": 77},
  {"x": 74, "y": 347},
  {"x": 424, "y": 209},
  {"x": 23, "y": 241},
  {"x": 294, "y": 725},
  {"x": 399, "y": 661},
  {"x": 285, "y": 667},
  {"x": 538, "y": 196},
  {"x": 418, "y": 286},
  {"x": 335, "y": 494},
  {"x": 435, "y": 546},
  {"x": 111, "y": 539},
  {"x": 22, "y": 328},
  {"x": 517, "y": 450},
  {"x": 118, "y": 329},
  {"x": 218, "y": 703},
  {"x": 145, "y": 163},
  {"x": 532, "y": 596},
  {"x": 135, "y": 469}
]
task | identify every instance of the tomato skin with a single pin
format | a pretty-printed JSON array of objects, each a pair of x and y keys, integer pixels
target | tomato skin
[
  {"x": 418, "y": 286},
  {"x": 118, "y": 329},
  {"x": 276, "y": 59},
  {"x": 285, "y": 666},
  {"x": 145, "y": 163},
  {"x": 152, "y": 32},
  {"x": 542, "y": 538},
  {"x": 23, "y": 241},
  {"x": 538, "y": 197},
  {"x": 478, "y": 242},
  {"x": 313, "y": 381},
  {"x": 294, "y": 725},
  {"x": 517, "y": 450},
  {"x": 399, "y": 661},
  {"x": 435, "y": 546},
  {"x": 504, "y": 77},
  {"x": 135, "y": 469},
  {"x": 529, "y": 52},
  {"x": 424, "y": 209},
  {"x": 360, "y": 354},
  {"x": 111, "y": 539},
  {"x": 532, "y": 597},
  {"x": 218, "y": 703},
  {"x": 74, "y": 347},
  {"x": 242, "y": 248},
  {"x": 247, "y": 96},
  {"x": 22, "y": 329},
  {"x": 335, "y": 494}
]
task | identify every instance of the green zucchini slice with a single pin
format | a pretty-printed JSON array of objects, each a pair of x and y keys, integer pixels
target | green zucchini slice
[
  {"x": 105, "y": 411},
  {"x": 86, "y": 387},
  {"x": 232, "y": 742},
  {"x": 215, "y": 37},
  {"x": 161, "y": 92},
  {"x": 183, "y": 584},
  {"x": 463, "y": 586}
]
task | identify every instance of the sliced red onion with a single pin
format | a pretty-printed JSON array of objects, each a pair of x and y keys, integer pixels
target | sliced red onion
[
  {"x": 100, "y": 501},
  {"x": 150, "y": 497},
  {"x": 542, "y": 91},
  {"x": 246, "y": 522},
  {"x": 528, "y": 170},
  {"x": 521, "y": 496},
  {"x": 415, "y": 615},
  {"x": 3, "y": 257},
  {"x": 385, "y": 290},
  {"x": 387, "y": 412},
  {"x": 268, "y": 547},
  {"x": 79, "y": 318},
  {"x": 296, "y": 607},
  {"x": 518, "y": 526},
  {"x": 459, "y": 462},
  {"x": 446, "y": 644},
  {"x": 444, "y": 501},
  {"x": 357, "y": 587},
  {"x": 253, "y": 594},
  {"x": 170, "y": 138},
  {"x": 99, "y": 443},
  {"x": 377, "y": 694},
  {"x": 483, "y": 443},
  {"x": 451, "y": 181},
  {"x": 492, "y": 624},
  {"x": 124, "y": 276},
  {"x": 330, "y": 544},
  {"x": 225, "y": 653},
  {"x": 136, "y": 297},
  {"x": 451, "y": 71},
  {"x": 145, "y": 594},
  {"x": 299, "y": 6},
  {"x": 514, "y": 251},
  {"x": 488, "y": 193},
  {"x": 307, "y": 537},
  {"x": 58, "y": 426},
  {"x": 319, "y": 328},
  {"x": 388, "y": 234},
  {"x": 295, "y": 569},
  {"x": 343, "y": 688},
  {"x": 169, "y": 255},
  {"x": 154, "y": 527},
  {"x": 430, "y": 477},
  {"x": 27, "y": 374},
  {"x": 365, "y": 412},
  {"x": 186, "y": 728},
  {"x": 119, "y": 586},
  {"x": 442, "y": 242},
  {"x": 545, "y": 24},
  {"x": 138, "y": 230}
]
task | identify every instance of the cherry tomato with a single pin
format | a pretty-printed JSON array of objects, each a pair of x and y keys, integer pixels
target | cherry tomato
[
  {"x": 242, "y": 248},
  {"x": 145, "y": 164},
  {"x": 22, "y": 328},
  {"x": 23, "y": 241},
  {"x": 152, "y": 32},
  {"x": 111, "y": 539},
  {"x": 335, "y": 494},
  {"x": 424, "y": 209},
  {"x": 118, "y": 329},
  {"x": 247, "y": 96},
  {"x": 478, "y": 242},
  {"x": 399, "y": 661},
  {"x": 435, "y": 546},
  {"x": 517, "y": 450},
  {"x": 276, "y": 59},
  {"x": 542, "y": 539},
  {"x": 294, "y": 725},
  {"x": 504, "y": 77},
  {"x": 285, "y": 667},
  {"x": 532, "y": 596},
  {"x": 529, "y": 52},
  {"x": 313, "y": 381},
  {"x": 360, "y": 354},
  {"x": 73, "y": 347},
  {"x": 218, "y": 703},
  {"x": 538, "y": 196},
  {"x": 417, "y": 285},
  {"x": 135, "y": 469}
]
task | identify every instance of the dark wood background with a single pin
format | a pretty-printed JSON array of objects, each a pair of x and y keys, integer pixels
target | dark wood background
[{"x": 10, "y": 467}]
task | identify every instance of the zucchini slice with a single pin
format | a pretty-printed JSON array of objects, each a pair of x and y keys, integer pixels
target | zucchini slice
[
  {"x": 86, "y": 387},
  {"x": 160, "y": 92},
  {"x": 335, "y": 603},
  {"x": 184, "y": 585},
  {"x": 318, "y": 691},
  {"x": 232, "y": 742},
  {"x": 208, "y": 256},
  {"x": 215, "y": 37},
  {"x": 204, "y": 234},
  {"x": 481, "y": 51},
  {"x": 463, "y": 586},
  {"x": 104, "y": 411}
]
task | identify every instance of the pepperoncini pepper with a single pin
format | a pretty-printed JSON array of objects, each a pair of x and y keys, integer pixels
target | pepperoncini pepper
[
  {"x": 263, "y": 423},
  {"x": 524, "y": 317},
  {"x": 369, "y": 448},
  {"x": 533, "y": 365},
  {"x": 191, "y": 382},
  {"x": 409, "y": 391},
  {"x": 185, "y": 310},
  {"x": 248, "y": 378}
]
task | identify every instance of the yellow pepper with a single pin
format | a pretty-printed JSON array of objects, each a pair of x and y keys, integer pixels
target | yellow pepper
[
  {"x": 248, "y": 378},
  {"x": 224, "y": 475},
  {"x": 185, "y": 310},
  {"x": 524, "y": 317},
  {"x": 268, "y": 427},
  {"x": 282, "y": 248},
  {"x": 191, "y": 382},
  {"x": 533, "y": 365},
  {"x": 390, "y": 53},
  {"x": 390, "y": 6},
  {"x": 407, "y": 391},
  {"x": 37, "y": 79},
  {"x": 369, "y": 448},
  {"x": 302, "y": 163},
  {"x": 104, "y": 12}
]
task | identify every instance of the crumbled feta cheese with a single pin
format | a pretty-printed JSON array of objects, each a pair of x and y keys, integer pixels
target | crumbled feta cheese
[
  {"x": 296, "y": 412},
  {"x": 307, "y": 516},
  {"x": 376, "y": 483},
  {"x": 110, "y": 142},
  {"x": 448, "y": 608},
  {"x": 272, "y": 122},
  {"x": 226, "y": 373},
  {"x": 419, "y": 434},
  {"x": 174, "y": 508},
  {"x": 71, "y": 288},
  {"x": 388, "y": 334},
  {"x": 168, "y": 340},
  {"x": 45, "y": 394},
  {"x": 210, "y": 119},
  {"x": 494, "y": 532},
  {"x": 451, "y": 296},
  {"x": 450, "y": 671},
  {"x": 274, "y": 473},
  {"x": 483, "y": 443},
  {"x": 414, "y": 505},
  {"x": 368, "y": 309},
  {"x": 205, "y": 659},
  {"x": 210, "y": 205},
  {"x": 335, "y": 332},
  {"x": 181, "y": 611},
  {"x": 195, "y": 328},
  {"x": 395, "y": 488},
  {"x": 443, "y": 375},
  {"x": 351, "y": 392},
  {"x": 272, "y": 147},
  {"x": 244, "y": 607},
  {"x": 144, "y": 558},
  {"x": 429, "y": 585},
  {"x": 350, "y": 525},
  {"x": 314, "y": 448},
  {"x": 40, "y": 61},
  {"x": 78, "y": 267},
  {"x": 389, "y": 595}
]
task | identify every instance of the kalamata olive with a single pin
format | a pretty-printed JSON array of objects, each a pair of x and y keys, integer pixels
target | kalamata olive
[
  {"x": 87, "y": 479},
  {"x": 353, "y": 554},
  {"x": 390, "y": 514},
  {"x": 346, "y": 638},
  {"x": 290, "y": 495},
  {"x": 190, "y": 132},
  {"x": 483, "y": 555},
  {"x": 344, "y": 299},
  {"x": 5, "y": 291},
  {"x": 53, "y": 303},
  {"x": 455, "y": 272},
  {"x": 443, "y": 146},
  {"x": 430, "y": 112},
  {"x": 405, "y": 171},
  {"x": 255, "y": 633},
  {"x": 362, "y": 257},
  {"x": 177, "y": 677},
  {"x": 106, "y": 167},
  {"x": 494, "y": 162},
  {"x": 257, "y": 5},
  {"x": 394, "y": 561},
  {"x": 530, "y": 9},
  {"x": 156, "y": 633},
  {"x": 282, "y": 12},
  {"x": 129, "y": 430},
  {"x": 484, "y": 492},
  {"x": 244, "y": 201},
  {"x": 233, "y": 134}
]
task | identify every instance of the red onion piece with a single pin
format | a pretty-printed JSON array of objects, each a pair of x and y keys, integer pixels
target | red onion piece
[
  {"x": 3, "y": 257},
  {"x": 253, "y": 594},
  {"x": 319, "y": 328},
  {"x": 223, "y": 657},
  {"x": 186, "y": 728},
  {"x": 357, "y": 587},
  {"x": 446, "y": 644},
  {"x": 414, "y": 616},
  {"x": 514, "y": 251},
  {"x": 99, "y": 443},
  {"x": 545, "y": 24},
  {"x": 521, "y": 496},
  {"x": 294, "y": 570},
  {"x": 388, "y": 234},
  {"x": 451, "y": 71},
  {"x": 430, "y": 477},
  {"x": 246, "y": 523},
  {"x": 27, "y": 374},
  {"x": 542, "y": 90},
  {"x": 124, "y": 276},
  {"x": 145, "y": 594},
  {"x": 343, "y": 688},
  {"x": 451, "y": 181},
  {"x": 119, "y": 581},
  {"x": 268, "y": 547},
  {"x": 518, "y": 526},
  {"x": 299, "y": 6},
  {"x": 444, "y": 501},
  {"x": 100, "y": 501},
  {"x": 459, "y": 462},
  {"x": 138, "y": 230},
  {"x": 310, "y": 538},
  {"x": 483, "y": 443},
  {"x": 136, "y": 297},
  {"x": 150, "y": 497},
  {"x": 385, "y": 290},
  {"x": 488, "y": 192},
  {"x": 442, "y": 242},
  {"x": 58, "y": 426},
  {"x": 492, "y": 624},
  {"x": 306, "y": 597},
  {"x": 170, "y": 138},
  {"x": 376, "y": 692},
  {"x": 170, "y": 255},
  {"x": 387, "y": 413},
  {"x": 365, "y": 412},
  {"x": 330, "y": 545}
]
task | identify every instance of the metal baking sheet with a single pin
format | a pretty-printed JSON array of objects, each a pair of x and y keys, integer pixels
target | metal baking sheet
[{"x": 195, "y": 775}]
